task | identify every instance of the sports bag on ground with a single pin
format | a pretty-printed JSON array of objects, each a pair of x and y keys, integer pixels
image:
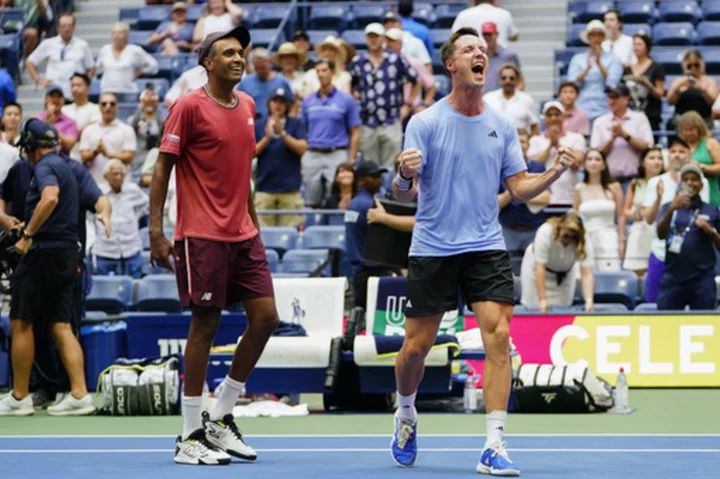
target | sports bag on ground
[
  {"x": 141, "y": 387},
  {"x": 560, "y": 389}
]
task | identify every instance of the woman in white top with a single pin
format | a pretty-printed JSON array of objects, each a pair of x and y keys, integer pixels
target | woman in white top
[
  {"x": 11, "y": 119},
  {"x": 549, "y": 268},
  {"x": 219, "y": 16},
  {"x": 121, "y": 63},
  {"x": 640, "y": 234},
  {"x": 332, "y": 49},
  {"x": 599, "y": 200}
]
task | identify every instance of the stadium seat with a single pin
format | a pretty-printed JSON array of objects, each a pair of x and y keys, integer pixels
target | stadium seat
[
  {"x": 142, "y": 39},
  {"x": 635, "y": 11},
  {"x": 273, "y": 260},
  {"x": 94, "y": 95},
  {"x": 126, "y": 110},
  {"x": 166, "y": 67},
  {"x": 594, "y": 10},
  {"x": 152, "y": 16},
  {"x": 604, "y": 308},
  {"x": 632, "y": 29},
  {"x": 646, "y": 307},
  {"x": 712, "y": 60},
  {"x": 708, "y": 33},
  {"x": 265, "y": 37},
  {"x": 443, "y": 85},
  {"x": 423, "y": 13},
  {"x": 279, "y": 238},
  {"x": 271, "y": 17},
  {"x": 194, "y": 12},
  {"x": 679, "y": 11},
  {"x": 355, "y": 38},
  {"x": 158, "y": 293},
  {"x": 305, "y": 261},
  {"x": 563, "y": 57},
  {"x": 129, "y": 15},
  {"x": 437, "y": 64},
  {"x": 10, "y": 54},
  {"x": 616, "y": 287},
  {"x": 328, "y": 17},
  {"x": 317, "y": 36},
  {"x": 324, "y": 237},
  {"x": 679, "y": 34},
  {"x": 361, "y": 15},
  {"x": 111, "y": 294},
  {"x": 146, "y": 266},
  {"x": 438, "y": 37},
  {"x": 160, "y": 85},
  {"x": 94, "y": 316},
  {"x": 670, "y": 58},
  {"x": 573, "y": 35},
  {"x": 710, "y": 10},
  {"x": 445, "y": 15}
]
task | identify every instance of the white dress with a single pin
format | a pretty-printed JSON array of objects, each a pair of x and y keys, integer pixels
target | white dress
[
  {"x": 556, "y": 257},
  {"x": 599, "y": 220},
  {"x": 640, "y": 235}
]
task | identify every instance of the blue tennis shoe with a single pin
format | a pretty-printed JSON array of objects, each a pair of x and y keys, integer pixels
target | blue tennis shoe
[
  {"x": 404, "y": 442},
  {"x": 495, "y": 462}
]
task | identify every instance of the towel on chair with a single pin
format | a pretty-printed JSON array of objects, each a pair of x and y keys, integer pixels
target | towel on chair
[
  {"x": 389, "y": 346},
  {"x": 382, "y": 350}
]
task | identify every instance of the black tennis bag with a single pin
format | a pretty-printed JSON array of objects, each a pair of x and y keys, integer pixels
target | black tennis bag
[{"x": 560, "y": 389}]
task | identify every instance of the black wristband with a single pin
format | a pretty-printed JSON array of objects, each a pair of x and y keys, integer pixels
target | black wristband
[{"x": 403, "y": 176}]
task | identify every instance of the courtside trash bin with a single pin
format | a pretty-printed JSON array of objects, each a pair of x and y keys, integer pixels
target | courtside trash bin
[{"x": 102, "y": 344}]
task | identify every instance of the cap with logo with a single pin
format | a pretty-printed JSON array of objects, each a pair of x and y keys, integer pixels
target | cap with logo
[
  {"x": 369, "y": 168},
  {"x": 53, "y": 88},
  {"x": 375, "y": 28},
  {"x": 552, "y": 104},
  {"x": 240, "y": 33},
  {"x": 489, "y": 27},
  {"x": 282, "y": 92},
  {"x": 391, "y": 16},
  {"x": 394, "y": 34},
  {"x": 35, "y": 133}
]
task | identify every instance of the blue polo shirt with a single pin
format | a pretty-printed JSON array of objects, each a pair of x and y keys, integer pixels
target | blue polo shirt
[
  {"x": 329, "y": 119},
  {"x": 61, "y": 228},
  {"x": 356, "y": 226},
  {"x": 419, "y": 31},
  {"x": 517, "y": 214},
  {"x": 696, "y": 260},
  {"x": 278, "y": 167},
  {"x": 260, "y": 91}
]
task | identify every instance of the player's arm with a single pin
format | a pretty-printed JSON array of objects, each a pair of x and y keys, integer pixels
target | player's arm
[
  {"x": 524, "y": 186},
  {"x": 251, "y": 210},
  {"x": 158, "y": 192}
]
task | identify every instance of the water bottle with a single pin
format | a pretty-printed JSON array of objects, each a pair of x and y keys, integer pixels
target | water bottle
[
  {"x": 621, "y": 391},
  {"x": 470, "y": 393}
]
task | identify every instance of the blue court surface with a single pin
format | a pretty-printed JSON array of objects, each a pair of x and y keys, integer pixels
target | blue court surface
[{"x": 366, "y": 457}]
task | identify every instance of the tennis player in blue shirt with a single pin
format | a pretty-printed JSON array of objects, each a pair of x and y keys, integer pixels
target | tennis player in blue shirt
[{"x": 456, "y": 153}]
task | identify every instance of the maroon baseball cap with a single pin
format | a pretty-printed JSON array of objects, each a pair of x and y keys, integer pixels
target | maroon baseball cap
[
  {"x": 240, "y": 32},
  {"x": 489, "y": 27}
]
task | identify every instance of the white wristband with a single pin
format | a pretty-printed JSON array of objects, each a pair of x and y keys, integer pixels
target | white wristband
[{"x": 402, "y": 183}]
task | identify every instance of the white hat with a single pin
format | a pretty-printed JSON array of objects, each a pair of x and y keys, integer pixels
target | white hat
[
  {"x": 593, "y": 26},
  {"x": 552, "y": 104},
  {"x": 394, "y": 34},
  {"x": 375, "y": 28}
]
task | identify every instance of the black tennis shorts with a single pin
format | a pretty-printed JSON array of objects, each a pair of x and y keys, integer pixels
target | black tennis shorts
[
  {"x": 434, "y": 282},
  {"x": 44, "y": 286}
]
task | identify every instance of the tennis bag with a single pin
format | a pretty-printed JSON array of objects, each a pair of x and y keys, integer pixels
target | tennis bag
[
  {"x": 560, "y": 389},
  {"x": 141, "y": 387}
]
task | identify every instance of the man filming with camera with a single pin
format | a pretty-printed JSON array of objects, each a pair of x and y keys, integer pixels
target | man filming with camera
[{"x": 45, "y": 278}]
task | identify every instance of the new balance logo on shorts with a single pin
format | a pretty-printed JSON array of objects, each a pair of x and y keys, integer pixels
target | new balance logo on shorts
[
  {"x": 206, "y": 297},
  {"x": 493, "y": 134}
]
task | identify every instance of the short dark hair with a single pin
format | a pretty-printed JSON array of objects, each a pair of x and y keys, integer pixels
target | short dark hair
[
  {"x": 405, "y": 8},
  {"x": 510, "y": 66},
  {"x": 12, "y": 103},
  {"x": 448, "y": 48},
  {"x": 617, "y": 14},
  {"x": 570, "y": 84},
  {"x": 81, "y": 76},
  {"x": 67, "y": 14},
  {"x": 676, "y": 140},
  {"x": 327, "y": 61},
  {"x": 646, "y": 40}
]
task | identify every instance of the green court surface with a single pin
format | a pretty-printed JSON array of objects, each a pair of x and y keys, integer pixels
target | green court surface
[{"x": 678, "y": 411}]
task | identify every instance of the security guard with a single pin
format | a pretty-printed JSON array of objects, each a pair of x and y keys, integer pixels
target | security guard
[{"x": 43, "y": 284}]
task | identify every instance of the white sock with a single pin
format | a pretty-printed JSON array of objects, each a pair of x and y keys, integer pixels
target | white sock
[
  {"x": 406, "y": 407},
  {"x": 495, "y": 427},
  {"x": 191, "y": 409},
  {"x": 227, "y": 398}
]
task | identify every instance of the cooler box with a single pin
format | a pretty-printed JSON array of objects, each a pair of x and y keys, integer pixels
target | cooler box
[{"x": 102, "y": 344}]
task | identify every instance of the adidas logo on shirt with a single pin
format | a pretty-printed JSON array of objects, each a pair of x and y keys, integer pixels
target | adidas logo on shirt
[{"x": 493, "y": 134}]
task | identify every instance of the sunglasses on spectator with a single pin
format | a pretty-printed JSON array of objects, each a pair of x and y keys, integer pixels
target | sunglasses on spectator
[
  {"x": 108, "y": 103},
  {"x": 693, "y": 65},
  {"x": 513, "y": 78}
]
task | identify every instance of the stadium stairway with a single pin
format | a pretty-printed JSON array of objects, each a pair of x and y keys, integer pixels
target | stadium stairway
[
  {"x": 94, "y": 23},
  {"x": 542, "y": 27}
]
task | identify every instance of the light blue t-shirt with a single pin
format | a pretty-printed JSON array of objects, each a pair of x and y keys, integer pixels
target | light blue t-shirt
[
  {"x": 464, "y": 159},
  {"x": 261, "y": 90}
]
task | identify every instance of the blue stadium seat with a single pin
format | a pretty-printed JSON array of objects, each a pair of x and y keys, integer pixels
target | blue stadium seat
[
  {"x": 711, "y": 10},
  {"x": 646, "y": 307},
  {"x": 304, "y": 261},
  {"x": 326, "y": 237},
  {"x": 10, "y": 54},
  {"x": 632, "y": 29},
  {"x": 317, "y": 36},
  {"x": 594, "y": 10},
  {"x": 94, "y": 94},
  {"x": 670, "y": 58},
  {"x": 443, "y": 86},
  {"x": 423, "y": 13},
  {"x": 616, "y": 287},
  {"x": 126, "y": 110},
  {"x": 194, "y": 12},
  {"x": 270, "y": 17},
  {"x": 573, "y": 35},
  {"x": 362, "y": 14},
  {"x": 355, "y": 38},
  {"x": 604, "y": 308},
  {"x": 679, "y": 34},
  {"x": 273, "y": 260},
  {"x": 438, "y": 37},
  {"x": 279, "y": 238},
  {"x": 111, "y": 294},
  {"x": 679, "y": 11},
  {"x": 445, "y": 15},
  {"x": 161, "y": 85},
  {"x": 12, "y": 20},
  {"x": 166, "y": 67},
  {"x": 95, "y": 316},
  {"x": 437, "y": 63},
  {"x": 142, "y": 38},
  {"x": 635, "y": 11},
  {"x": 158, "y": 293},
  {"x": 150, "y": 17},
  {"x": 708, "y": 33},
  {"x": 563, "y": 57},
  {"x": 146, "y": 266},
  {"x": 129, "y": 15},
  {"x": 712, "y": 60},
  {"x": 328, "y": 18},
  {"x": 263, "y": 37}
]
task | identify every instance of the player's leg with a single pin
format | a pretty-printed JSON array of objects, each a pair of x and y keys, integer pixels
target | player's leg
[
  {"x": 251, "y": 282},
  {"x": 201, "y": 273},
  {"x": 432, "y": 289},
  {"x": 487, "y": 285}
]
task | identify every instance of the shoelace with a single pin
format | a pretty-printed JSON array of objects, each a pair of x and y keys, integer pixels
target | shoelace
[
  {"x": 235, "y": 430},
  {"x": 499, "y": 450},
  {"x": 404, "y": 433}
]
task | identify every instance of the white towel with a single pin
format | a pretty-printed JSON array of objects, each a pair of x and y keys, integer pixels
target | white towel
[
  {"x": 270, "y": 409},
  {"x": 365, "y": 354}
]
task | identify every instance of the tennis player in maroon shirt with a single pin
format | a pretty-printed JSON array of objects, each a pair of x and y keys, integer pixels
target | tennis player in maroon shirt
[{"x": 219, "y": 257}]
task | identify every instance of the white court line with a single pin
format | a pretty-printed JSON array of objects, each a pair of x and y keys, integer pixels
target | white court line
[
  {"x": 290, "y": 436},
  {"x": 357, "y": 449}
]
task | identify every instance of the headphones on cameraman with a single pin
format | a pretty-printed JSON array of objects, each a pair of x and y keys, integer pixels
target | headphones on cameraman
[{"x": 31, "y": 140}]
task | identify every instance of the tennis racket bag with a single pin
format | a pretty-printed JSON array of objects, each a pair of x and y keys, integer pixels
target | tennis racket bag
[
  {"x": 141, "y": 387},
  {"x": 560, "y": 389}
]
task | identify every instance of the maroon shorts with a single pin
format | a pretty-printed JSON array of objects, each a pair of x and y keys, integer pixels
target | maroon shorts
[{"x": 216, "y": 274}]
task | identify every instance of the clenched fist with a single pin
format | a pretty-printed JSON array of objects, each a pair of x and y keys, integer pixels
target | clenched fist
[
  {"x": 410, "y": 162},
  {"x": 566, "y": 159}
]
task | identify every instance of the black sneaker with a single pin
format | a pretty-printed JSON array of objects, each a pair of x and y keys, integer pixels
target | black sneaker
[
  {"x": 196, "y": 450},
  {"x": 226, "y": 436}
]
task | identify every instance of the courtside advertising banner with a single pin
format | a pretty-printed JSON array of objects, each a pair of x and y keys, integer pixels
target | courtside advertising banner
[{"x": 654, "y": 350}]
